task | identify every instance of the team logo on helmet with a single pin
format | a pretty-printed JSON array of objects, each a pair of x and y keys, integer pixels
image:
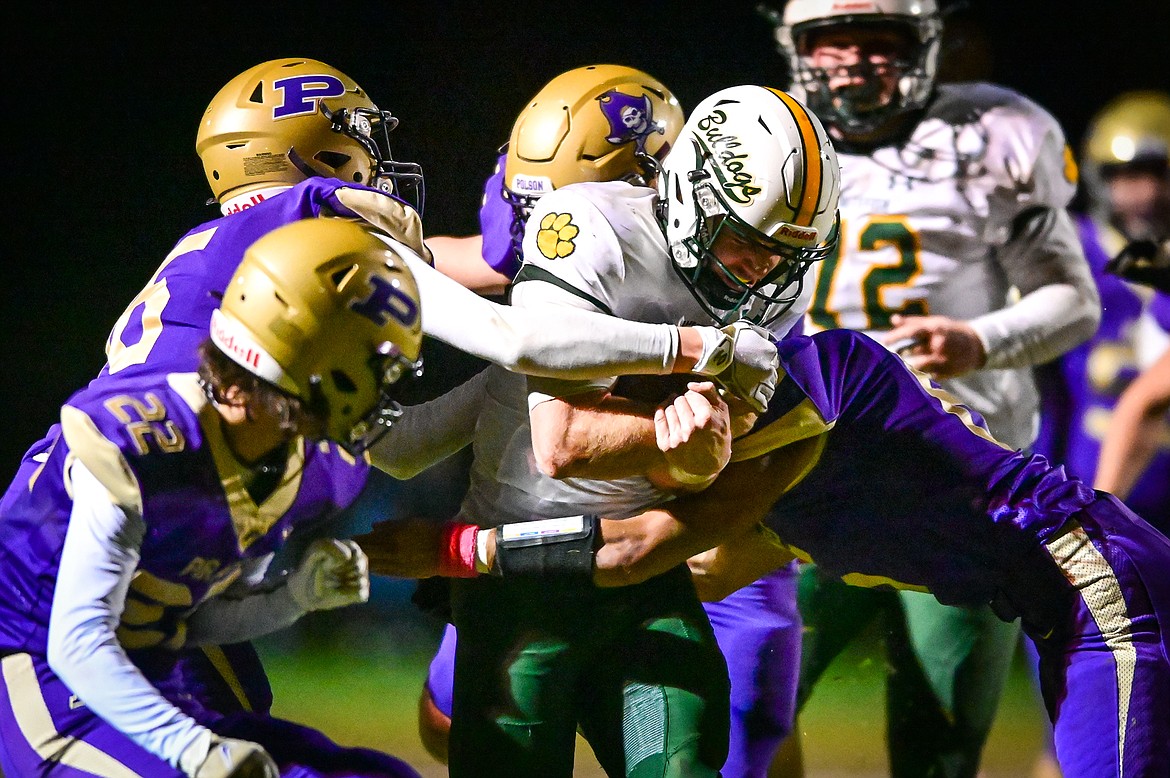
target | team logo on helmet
[
  {"x": 630, "y": 118},
  {"x": 722, "y": 148},
  {"x": 302, "y": 94}
]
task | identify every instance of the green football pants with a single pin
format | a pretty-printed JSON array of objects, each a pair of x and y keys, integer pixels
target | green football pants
[
  {"x": 637, "y": 669},
  {"x": 945, "y": 671}
]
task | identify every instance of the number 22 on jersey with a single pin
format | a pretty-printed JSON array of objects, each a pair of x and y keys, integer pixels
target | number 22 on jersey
[{"x": 883, "y": 255}]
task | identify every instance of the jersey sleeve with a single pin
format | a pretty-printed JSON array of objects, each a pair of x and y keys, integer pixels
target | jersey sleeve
[
  {"x": 1029, "y": 161},
  {"x": 570, "y": 244},
  {"x": 98, "y": 560},
  {"x": 495, "y": 225},
  {"x": 102, "y": 457}
]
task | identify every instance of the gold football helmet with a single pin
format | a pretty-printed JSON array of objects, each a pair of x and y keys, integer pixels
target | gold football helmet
[
  {"x": 285, "y": 120},
  {"x": 327, "y": 312},
  {"x": 1131, "y": 129},
  {"x": 593, "y": 123}
]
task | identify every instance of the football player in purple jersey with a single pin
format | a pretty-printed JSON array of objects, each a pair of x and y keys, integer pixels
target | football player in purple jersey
[
  {"x": 148, "y": 524},
  {"x": 870, "y": 469}
]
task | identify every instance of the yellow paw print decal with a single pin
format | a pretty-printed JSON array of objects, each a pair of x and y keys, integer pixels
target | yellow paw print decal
[{"x": 555, "y": 238}]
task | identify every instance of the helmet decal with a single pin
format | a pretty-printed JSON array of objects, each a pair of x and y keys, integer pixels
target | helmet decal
[
  {"x": 386, "y": 300},
  {"x": 736, "y": 182},
  {"x": 630, "y": 118},
  {"x": 300, "y": 95}
]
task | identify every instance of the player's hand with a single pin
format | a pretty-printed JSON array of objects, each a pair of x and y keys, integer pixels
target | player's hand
[
  {"x": 754, "y": 364},
  {"x": 332, "y": 574},
  {"x": 404, "y": 548},
  {"x": 230, "y": 758},
  {"x": 937, "y": 345},
  {"x": 694, "y": 434}
]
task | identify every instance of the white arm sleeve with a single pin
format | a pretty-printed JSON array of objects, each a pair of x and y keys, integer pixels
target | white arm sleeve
[
  {"x": 244, "y": 611},
  {"x": 430, "y": 432},
  {"x": 1059, "y": 307},
  {"x": 98, "y": 560},
  {"x": 561, "y": 343}
]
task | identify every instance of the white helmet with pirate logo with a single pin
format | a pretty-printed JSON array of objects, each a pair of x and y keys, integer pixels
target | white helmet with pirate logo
[
  {"x": 851, "y": 108},
  {"x": 755, "y": 161}
]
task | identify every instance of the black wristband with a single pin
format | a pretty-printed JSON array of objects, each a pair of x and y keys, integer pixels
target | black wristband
[{"x": 549, "y": 549}]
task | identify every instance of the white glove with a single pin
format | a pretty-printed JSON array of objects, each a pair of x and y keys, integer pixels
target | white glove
[
  {"x": 332, "y": 574},
  {"x": 230, "y": 758},
  {"x": 743, "y": 359}
]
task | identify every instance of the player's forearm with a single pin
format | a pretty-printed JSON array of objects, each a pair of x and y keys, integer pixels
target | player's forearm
[
  {"x": 461, "y": 259},
  {"x": 1059, "y": 307},
  {"x": 223, "y": 620},
  {"x": 1136, "y": 430},
  {"x": 557, "y": 343},
  {"x": 430, "y": 432},
  {"x": 594, "y": 436}
]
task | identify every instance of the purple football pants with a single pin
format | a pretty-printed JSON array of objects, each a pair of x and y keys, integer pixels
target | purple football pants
[
  {"x": 1102, "y": 630},
  {"x": 46, "y": 731}
]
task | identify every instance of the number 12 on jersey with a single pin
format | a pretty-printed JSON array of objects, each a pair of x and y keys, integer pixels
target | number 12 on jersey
[{"x": 884, "y": 254}]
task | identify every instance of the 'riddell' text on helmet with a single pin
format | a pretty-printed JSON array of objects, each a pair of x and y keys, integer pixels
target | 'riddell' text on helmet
[
  {"x": 754, "y": 161},
  {"x": 289, "y": 119}
]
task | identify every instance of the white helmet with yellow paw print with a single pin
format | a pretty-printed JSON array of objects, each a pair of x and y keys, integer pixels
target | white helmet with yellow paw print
[
  {"x": 326, "y": 312},
  {"x": 755, "y": 161}
]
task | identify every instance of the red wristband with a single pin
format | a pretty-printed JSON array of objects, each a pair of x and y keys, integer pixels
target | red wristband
[{"x": 457, "y": 554}]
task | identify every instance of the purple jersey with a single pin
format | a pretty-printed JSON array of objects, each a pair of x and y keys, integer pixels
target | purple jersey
[
  {"x": 161, "y": 447},
  {"x": 908, "y": 489},
  {"x": 1084, "y": 385},
  {"x": 162, "y": 329},
  {"x": 497, "y": 224},
  {"x": 1160, "y": 310}
]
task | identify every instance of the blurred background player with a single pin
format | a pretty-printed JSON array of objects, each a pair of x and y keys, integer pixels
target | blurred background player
[
  {"x": 957, "y": 252},
  {"x": 149, "y": 523},
  {"x": 606, "y": 246},
  {"x": 1124, "y": 163},
  {"x": 595, "y": 123}
]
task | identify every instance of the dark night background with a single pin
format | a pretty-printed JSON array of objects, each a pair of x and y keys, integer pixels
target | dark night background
[{"x": 103, "y": 106}]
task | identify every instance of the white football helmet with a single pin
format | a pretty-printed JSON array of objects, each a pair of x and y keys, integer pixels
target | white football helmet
[
  {"x": 756, "y": 161},
  {"x": 916, "y": 75}
]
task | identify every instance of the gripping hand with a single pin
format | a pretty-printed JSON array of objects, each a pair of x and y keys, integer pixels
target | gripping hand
[
  {"x": 230, "y": 758},
  {"x": 333, "y": 573},
  {"x": 743, "y": 359}
]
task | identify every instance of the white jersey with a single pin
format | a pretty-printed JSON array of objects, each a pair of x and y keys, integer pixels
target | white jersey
[
  {"x": 597, "y": 247},
  {"x": 923, "y": 226}
]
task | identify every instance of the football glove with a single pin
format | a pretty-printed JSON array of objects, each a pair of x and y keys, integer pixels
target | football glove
[
  {"x": 332, "y": 574},
  {"x": 743, "y": 360},
  {"x": 231, "y": 758}
]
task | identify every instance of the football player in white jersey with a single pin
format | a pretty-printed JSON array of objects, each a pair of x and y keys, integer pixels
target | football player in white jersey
[
  {"x": 956, "y": 251},
  {"x": 745, "y": 203}
]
